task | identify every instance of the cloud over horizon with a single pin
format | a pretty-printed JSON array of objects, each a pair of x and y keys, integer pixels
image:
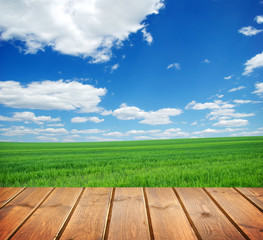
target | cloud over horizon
[
  {"x": 52, "y": 95},
  {"x": 161, "y": 116}
]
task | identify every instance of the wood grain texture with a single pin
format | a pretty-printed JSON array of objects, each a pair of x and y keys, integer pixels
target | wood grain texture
[
  {"x": 167, "y": 216},
  {"x": 209, "y": 221},
  {"x": 90, "y": 216},
  {"x": 255, "y": 195},
  {"x": 129, "y": 218},
  {"x": 7, "y": 193},
  {"x": 241, "y": 211},
  {"x": 16, "y": 211},
  {"x": 48, "y": 218}
]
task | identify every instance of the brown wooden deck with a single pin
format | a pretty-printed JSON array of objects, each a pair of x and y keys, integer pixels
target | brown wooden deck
[{"x": 131, "y": 213}]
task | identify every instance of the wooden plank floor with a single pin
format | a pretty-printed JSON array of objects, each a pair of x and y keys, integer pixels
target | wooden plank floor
[{"x": 131, "y": 213}]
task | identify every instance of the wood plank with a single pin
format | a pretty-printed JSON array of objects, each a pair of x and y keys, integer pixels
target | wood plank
[
  {"x": 255, "y": 195},
  {"x": 242, "y": 212},
  {"x": 209, "y": 221},
  {"x": 90, "y": 216},
  {"x": 129, "y": 218},
  {"x": 7, "y": 193},
  {"x": 16, "y": 211},
  {"x": 47, "y": 220},
  {"x": 167, "y": 216}
]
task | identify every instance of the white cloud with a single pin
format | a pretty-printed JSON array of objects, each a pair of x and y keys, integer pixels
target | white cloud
[
  {"x": 259, "y": 88},
  {"x": 29, "y": 117},
  {"x": 194, "y": 123},
  {"x": 236, "y": 89},
  {"x": 206, "y": 61},
  {"x": 249, "y": 31},
  {"x": 53, "y": 130},
  {"x": 217, "y": 131},
  {"x": 252, "y": 133},
  {"x": 259, "y": 19},
  {"x": 143, "y": 132},
  {"x": 147, "y": 36},
  {"x": 101, "y": 139},
  {"x": 114, "y": 134},
  {"x": 253, "y": 63},
  {"x": 114, "y": 67},
  {"x": 51, "y": 95},
  {"x": 216, "y": 113},
  {"x": 136, "y": 132},
  {"x": 87, "y": 131},
  {"x": 220, "y": 96},
  {"x": 161, "y": 116},
  {"x": 86, "y": 119},
  {"x": 85, "y": 28},
  {"x": 217, "y": 104},
  {"x": 47, "y": 139},
  {"x": 228, "y": 77},
  {"x": 232, "y": 123},
  {"x": 143, "y": 138},
  {"x": 106, "y": 112},
  {"x": 22, "y": 130},
  {"x": 171, "y": 133},
  {"x": 246, "y": 101},
  {"x": 175, "y": 65},
  {"x": 56, "y": 125}
]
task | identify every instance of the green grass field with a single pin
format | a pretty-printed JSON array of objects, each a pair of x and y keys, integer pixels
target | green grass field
[{"x": 204, "y": 162}]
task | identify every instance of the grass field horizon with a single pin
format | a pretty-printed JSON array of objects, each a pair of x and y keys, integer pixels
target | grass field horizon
[{"x": 197, "y": 162}]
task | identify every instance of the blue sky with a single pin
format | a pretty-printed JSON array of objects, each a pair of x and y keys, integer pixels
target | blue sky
[{"x": 110, "y": 70}]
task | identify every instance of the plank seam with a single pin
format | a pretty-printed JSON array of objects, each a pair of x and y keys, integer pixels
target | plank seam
[
  {"x": 248, "y": 199},
  {"x": 226, "y": 214},
  {"x": 10, "y": 199},
  {"x": 29, "y": 215},
  {"x": 68, "y": 217},
  {"x": 187, "y": 215},
  {"x": 148, "y": 215},
  {"x": 108, "y": 218}
]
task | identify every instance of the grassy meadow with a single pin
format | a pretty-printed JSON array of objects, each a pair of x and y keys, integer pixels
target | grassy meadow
[{"x": 204, "y": 162}]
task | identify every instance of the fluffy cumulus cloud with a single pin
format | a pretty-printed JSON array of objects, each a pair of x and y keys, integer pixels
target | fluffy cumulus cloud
[
  {"x": 172, "y": 133},
  {"x": 241, "y": 101},
  {"x": 217, "y": 104},
  {"x": 28, "y": 117},
  {"x": 86, "y": 119},
  {"x": 87, "y": 131},
  {"x": 114, "y": 134},
  {"x": 85, "y": 28},
  {"x": 253, "y": 63},
  {"x": 249, "y": 31},
  {"x": 231, "y": 123},
  {"x": 209, "y": 131},
  {"x": 51, "y": 95},
  {"x": 259, "y": 89},
  {"x": 219, "y": 113},
  {"x": 246, "y": 133},
  {"x": 259, "y": 19},
  {"x": 22, "y": 130},
  {"x": 161, "y": 116}
]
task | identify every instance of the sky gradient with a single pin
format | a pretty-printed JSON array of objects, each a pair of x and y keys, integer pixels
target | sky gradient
[{"x": 111, "y": 70}]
